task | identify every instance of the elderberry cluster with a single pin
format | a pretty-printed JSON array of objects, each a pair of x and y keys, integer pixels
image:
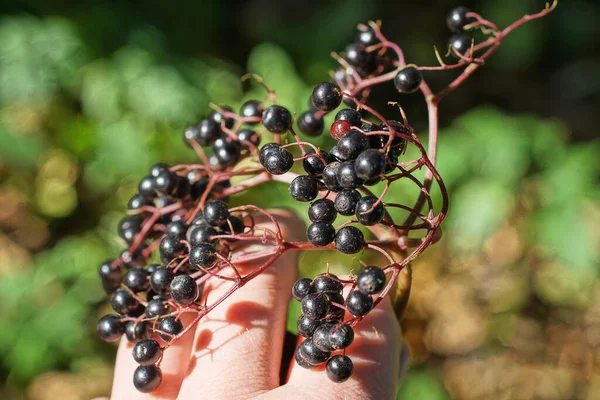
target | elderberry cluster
[{"x": 322, "y": 320}]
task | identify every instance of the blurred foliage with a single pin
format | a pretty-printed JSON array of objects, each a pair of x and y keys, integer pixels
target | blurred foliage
[{"x": 89, "y": 100}]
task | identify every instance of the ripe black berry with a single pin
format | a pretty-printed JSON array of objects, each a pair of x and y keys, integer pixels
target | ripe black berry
[
  {"x": 277, "y": 119},
  {"x": 328, "y": 283},
  {"x": 358, "y": 56},
  {"x": 370, "y": 280},
  {"x": 315, "y": 305},
  {"x": 218, "y": 117},
  {"x": 170, "y": 247},
  {"x": 111, "y": 278},
  {"x": 339, "y": 368},
  {"x": 156, "y": 307},
  {"x": 304, "y": 188},
  {"x": 310, "y": 124},
  {"x": 306, "y": 326},
  {"x": 335, "y": 153},
  {"x": 209, "y": 130},
  {"x": 201, "y": 234},
  {"x": 350, "y": 115},
  {"x": 227, "y": 151},
  {"x": 321, "y": 337},
  {"x": 301, "y": 288},
  {"x": 320, "y": 233},
  {"x": 341, "y": 336},
  {"x": 408, "y": 79},
  {"x": 300, "y": 359},
  {"x": 322, "y": 210},
  {"x": 358, "y": 303},
  {"x": 203, "y": 255},
  {"x": 110, "y": 328},
  {"x": 161, "y": 279},
  {"x": 368, "y": 214},
  {"x": 330, "y": 176},
  {"x": 347, "y": 177},
  {"x": 248, "y": 135},
  {"x": 146, "y": 188},
  {"x": 165, "y": 183},
  {"x": 147, "y": 378},
  {"x": 312, "y": 354},
  {"x": 169, "y": 327},
  {"x": 251, "y": 108},
  {"x": 276, "y": 159},
  {"x": 123, "y": 302},
  {"x": 461, "y": 43},
  {"x": 147, "y": 352},
  {"x": 216, "y": 212},
  {"x": 369, "y": 164},
  {"x": 137, "y": 201},
  {"x": 136, "y": 331},
  {"x": 326, "y": 96},
  {"x": 136, "y": 280},
  {"x": 457, "y": 19},
  {"x": 313, "y": 164},
  {"x": 349, "y": 240},
  {"x": 352, "y": 144},
  {"x": 367, "y": 37},
  {"x": 198, "y": 182},
  {"x": 184, "y": 289},
  {"x": 345, "y": 202}
]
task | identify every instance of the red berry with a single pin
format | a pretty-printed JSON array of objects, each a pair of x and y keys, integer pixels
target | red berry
[{"x": 340, "y": 128}]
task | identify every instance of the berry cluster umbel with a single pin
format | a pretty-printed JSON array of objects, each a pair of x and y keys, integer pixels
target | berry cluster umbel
[{"x": 180, "y": 229}]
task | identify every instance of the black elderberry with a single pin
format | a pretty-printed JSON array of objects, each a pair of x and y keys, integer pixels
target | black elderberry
[
  {"x": 161, "y": 279},
  {"x": 147, "y": 352},
  {"x": 133, "y": 260},
  {"x": 341, "y": 336},
  {"x": 358, "y": 56},
  {"x": 461, "y": 43},
  {"x": 227, "y": 151},
  {"x": 345, "y": 202},
  {"x": 146, "y": 188},
  {"x": 110, "y": 328},
  {"x": 315, "y": 305},
  {"x": 146, "y": 379},
  {"x": 367, "y": 37},
  {"x": 350, "y": 115},
  {"x": 170, "y": 247},
  {"x": 276, "y": 159},
  {"x": 367, "y": 212},
  {"x": 359, "y": 304},
  {"x": 352, "y": 144},
  {"x": 370, "y": 280},
  {"x": 136, "y": 331},
  {"x": 137, "y": 201},
  {"x": 110, "y": 277},
  {"x": 347, "y": 177},
  {"x": 326, "y": 96},
  {"x": 336, "y": 154},
  {"x": 216, "y": 212},
  {"x": 300, "y": 359},
  {"x": 150, "y": 268},
  {"x": 169, "y": 327},
  {"x": 312, "y": 354},
  {"x": 219, "y": 118},
  {"x": 322, "y": 210},
  {"x": 208, "y": 131},
  {"x": 304, "y": 188},
  {"x": 248, "y": 135},
  {"x": 339, "y": 368},
  {"x": 201, "y": 234},
  {"x": 310, "y": 124},
  {"x": 457, "y": 19},
  {"x": 203, "y": 255},
  {"x": 369, "y": 164},
  {"x": 306, "y": 326},
  {"x": 165, "y": 183},
  {"x": 301, "y": 288},
  {"x": 320, "y": 233},
  {"x": 123, "y": 302},
  {"x": 251, "y": 108},
  {"x": 321, "y": 337},
  {"x": 277, "y": 119},
  {"x": 330, "y": 176},
  {"x": 184, "y": 290},
  {"x": 349, "y": 240},
  {"x": 328, "y": 283},
  {"x": 136, "y": 279},
  {"x": 156, "y": 307},
  {"x": 408, "y": 79},
  {"x": 177, "y": 229},
  {"x": 233, "y": 226},
  {"x": 313, "y": 164}
]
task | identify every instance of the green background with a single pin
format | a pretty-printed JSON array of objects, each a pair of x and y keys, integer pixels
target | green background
[{"x": 507, "y": 305}]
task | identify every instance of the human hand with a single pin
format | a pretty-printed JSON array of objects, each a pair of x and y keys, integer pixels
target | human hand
[{"x": 236, "y": 351}]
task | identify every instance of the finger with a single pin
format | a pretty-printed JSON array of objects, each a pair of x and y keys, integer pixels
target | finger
[
  {"x": 239, "y": 344},
  {"x": 173, "y": 367},
  {"x": 375, "y": 352}
]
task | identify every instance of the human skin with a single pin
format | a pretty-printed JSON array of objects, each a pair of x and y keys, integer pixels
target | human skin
[{"x": 235, "y": 352}]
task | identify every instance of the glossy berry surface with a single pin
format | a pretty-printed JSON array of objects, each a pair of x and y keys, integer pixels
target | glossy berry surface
[
  {"x": 339, "y": 129},
  {"x": 136, "y": 280},
  {"x": 328, "y": 283},
  {"x": 248, "y": 135},
  {"x": 277, "y": 119},
  {"x": 358, "y": 56},
  {"x": 310, "y": 124},
  {"x": 203, "y": 255},
  {"x": 369, "y": 211},
  {"x": 330, "y": 176},
  {"x": 359, "y": 304},
  {"x": 345, "y": 202},
  {"x": 304, "y": 188},
  {"x": 156, "y": 308},
  {"x": 216, "y": 212},
  {"x": 369, "y": 164},
  {"x": 367, "y": 37},
  {"x": 227, "y": 151},
  {"x": 461, "y": 43},
  {"x": 219, "y": 117},
  {"x": 349, "y": 240},
  {"x": 161, "y": 279},
  {"x": 169, "y": 327},
  {"x": 315, "y": 305},
  {"x": 109, "y": 276},
  {"x": 301, "y": 288},
  {"x": 348, "y": 114},
  {"x": 352, "y": 144},
  {"x": 208, "y": 131},
  {"x": 321, "y": 337},
  {"x": 136, "y": 331},
  {"x": 306, "y": 326},
  {"x": 184, "y": 290},
  {"x": 371, "y": 280},
  {"x": 146, "y": 379},
  {"x": 276, "y": 159},
  {"x": 408, "y": 79},
  {"x": 170, "y": 247},
  {"x": 457, "y": 19},
  {"x": 320, "y": 233},
  {"x": 339, "y": 368},
  {"x": 347, "y": 177},
  {"x": 341, "y": 336},
  {"x": 201, "y": 234},
  {"x": 110, "y": 328},
  {"x": 300, "y": 360},
  {"x": 322, "y": 210},
  {"x": 326, "y": 96},
  {"x": 147, "y": 352},
  {"x": 123, "y": 302},
  {"x": 312, "y": 354},
  {"x": 251, "y": 108},
  {"x": 314, "y": 164}
]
